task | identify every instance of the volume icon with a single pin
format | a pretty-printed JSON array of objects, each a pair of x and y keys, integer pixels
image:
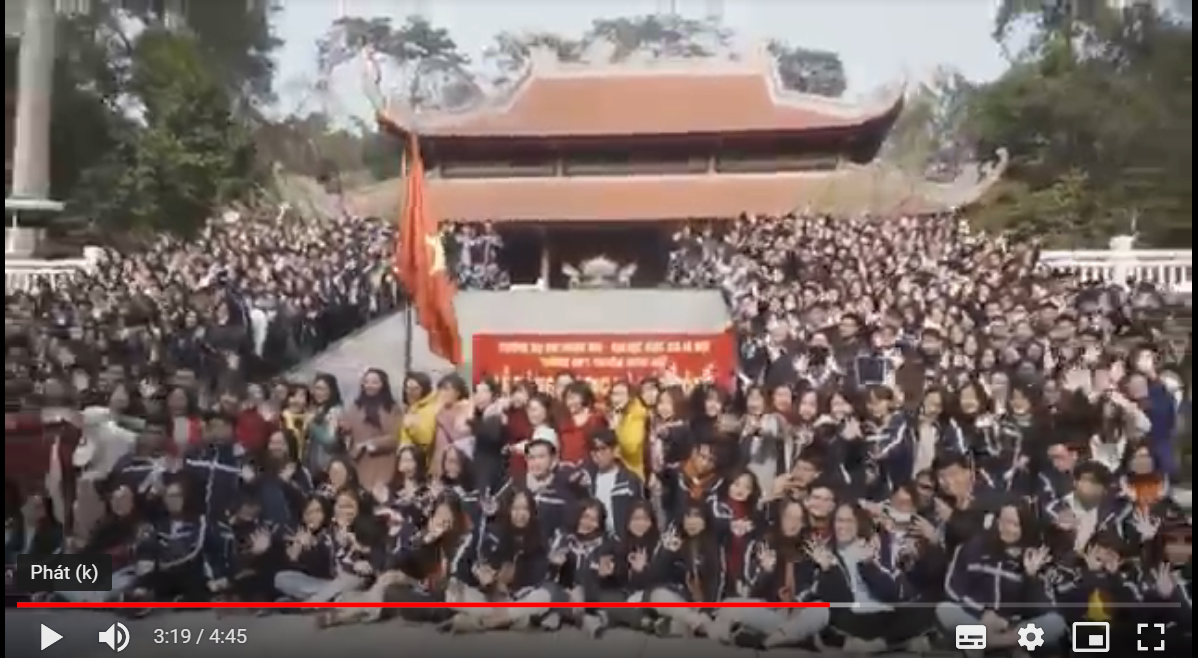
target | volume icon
[{"x": 116, "y": 637}]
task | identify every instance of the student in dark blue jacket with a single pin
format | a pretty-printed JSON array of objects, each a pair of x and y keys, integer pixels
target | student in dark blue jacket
[
  {"x": 308, "y": 567},
  {"x": 859, "y": 570},
  {"x": 777, "y": 570},
  {"x": 1104, "y": 587},
  {"x": 183, "y": 557},
  {"x": 556, "y": 487},
  {"x": 511, "y": 564},
  {"x": 614, "y": 485},
  {"x": 998, "y": 579},
  {"x": 571, "y": 549},
  {"x": 620, "y": 570},
  {"x": 690, "y": 562}
]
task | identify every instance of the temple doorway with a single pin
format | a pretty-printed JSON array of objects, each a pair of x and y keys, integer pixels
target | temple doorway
[
  {"x": 522, "y": 253},
  {"x": 643, "y": 243}
]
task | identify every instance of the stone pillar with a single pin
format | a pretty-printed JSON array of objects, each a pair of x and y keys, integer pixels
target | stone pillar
[
  {"x": 1122, "y": 258},
  {"x": 35, "y": 85}
]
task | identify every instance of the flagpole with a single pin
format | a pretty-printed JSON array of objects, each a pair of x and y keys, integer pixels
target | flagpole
[{"x": 409, "y": 313}]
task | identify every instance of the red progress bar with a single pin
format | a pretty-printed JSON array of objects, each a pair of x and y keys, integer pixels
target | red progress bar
[{"x": 435, "y": 605}]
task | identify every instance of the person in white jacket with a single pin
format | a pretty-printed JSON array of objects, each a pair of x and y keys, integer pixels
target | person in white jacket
[{"x": 103, "y": 444}]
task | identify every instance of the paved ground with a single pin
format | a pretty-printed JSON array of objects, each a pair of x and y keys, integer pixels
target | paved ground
[{"x": 280, "y": 636}]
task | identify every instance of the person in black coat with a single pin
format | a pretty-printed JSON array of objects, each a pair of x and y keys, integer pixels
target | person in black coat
[
  {"x": 490, "y": 435},
  {"x": 511, "y": 564},
  {"x": 690, "y": 563},
  {"x": 614, "y": 485},
  {"x": 998, "y": 579},
  {"x": 777, "y": 570},
  {"x": 621, "y": 571}
]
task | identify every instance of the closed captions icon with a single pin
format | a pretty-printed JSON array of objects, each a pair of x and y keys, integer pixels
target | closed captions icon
[
  {"x": 116, "y": 637},
  {"x": 971, "y": 637}
]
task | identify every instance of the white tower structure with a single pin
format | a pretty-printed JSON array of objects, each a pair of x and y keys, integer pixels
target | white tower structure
[{"x": 714, "y": 11}]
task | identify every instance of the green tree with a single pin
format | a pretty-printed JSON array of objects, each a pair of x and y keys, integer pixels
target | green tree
[
  {"x": 185, "y": 157},
  {"x": 234, "y": 36},
  {"x": 661, "y": 36},
  {"x": 1098, "y": 111},
  {"x": 931, "y": 133},
  {"x": 812, "y": 71},
  {"x": 433, "y": 69},
  {"x": 510, "y": 51}
]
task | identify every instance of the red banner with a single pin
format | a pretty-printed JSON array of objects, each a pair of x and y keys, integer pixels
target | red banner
[{"x": 605, "y": 358}]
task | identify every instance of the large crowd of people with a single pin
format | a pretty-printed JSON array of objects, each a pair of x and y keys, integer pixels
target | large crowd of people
[{"x": 928, "y": 430}]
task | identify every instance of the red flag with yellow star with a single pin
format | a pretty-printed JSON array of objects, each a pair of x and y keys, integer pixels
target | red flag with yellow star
[{"x": 420, "y": 258}]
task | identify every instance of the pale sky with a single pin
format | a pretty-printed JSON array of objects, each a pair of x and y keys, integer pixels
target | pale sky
[{"x": 879, "y": 41}]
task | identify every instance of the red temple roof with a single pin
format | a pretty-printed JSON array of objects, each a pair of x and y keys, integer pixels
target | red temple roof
[
  {"x": 850, "y": 189},
  {"x": 556, "y": 99}
]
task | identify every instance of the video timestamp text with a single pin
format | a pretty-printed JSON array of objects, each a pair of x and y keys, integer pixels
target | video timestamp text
[{"x": 200, "y": 636}]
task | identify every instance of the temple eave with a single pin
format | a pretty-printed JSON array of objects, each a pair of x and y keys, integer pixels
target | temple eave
[{"x": 652, "y": 198}]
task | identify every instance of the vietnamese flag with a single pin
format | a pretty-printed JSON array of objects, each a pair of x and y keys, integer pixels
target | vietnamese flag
[{"x": 420, "y": 263}]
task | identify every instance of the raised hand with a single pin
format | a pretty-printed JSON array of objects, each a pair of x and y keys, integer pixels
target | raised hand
[
  {"x": 767, "y": 558},
  {"x": 1034, "y": 559},
  {"x": 742, "y": 527},
  {"x": 821, "y": 555},
  {"x": 1165, "y": 581},
  {"x": 638, "y": 560},
  {"x": 606, "y": 566},
  {"x": 671, "y": 541},
  {"x": 1145, "y": 525}
]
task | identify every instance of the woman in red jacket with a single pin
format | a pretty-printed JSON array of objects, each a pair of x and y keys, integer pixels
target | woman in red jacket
[{"x": 579, "y": 420}]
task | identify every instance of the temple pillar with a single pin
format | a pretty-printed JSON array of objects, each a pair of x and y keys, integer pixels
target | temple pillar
[
  {"x": 31, "y": 150},
  {"x": 546, "y": 260}
]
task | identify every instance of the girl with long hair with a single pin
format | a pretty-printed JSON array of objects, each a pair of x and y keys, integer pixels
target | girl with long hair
[
  {"x": 309, "y": 570},
  {"x": 511, "y": 565},
  {"x": 691, "y": 563},
  {"x": 372, "y": 429},
  {"x": 999, "y": 580},
  {"x": 322, "y": 439},
  {"x": 776, "y": 569},
  {"x": 622, "y": 571}
]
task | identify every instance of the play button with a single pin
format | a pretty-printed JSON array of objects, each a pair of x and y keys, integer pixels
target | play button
[{"x": 49, "y": 636}]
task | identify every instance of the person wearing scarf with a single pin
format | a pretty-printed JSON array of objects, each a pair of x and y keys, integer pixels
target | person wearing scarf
[
  {"x": 372, "y": 425},
  {"x": 694, "y": 481}
]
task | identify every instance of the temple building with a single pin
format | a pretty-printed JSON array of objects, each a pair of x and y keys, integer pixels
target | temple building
[{"x": 576, "y": 160}]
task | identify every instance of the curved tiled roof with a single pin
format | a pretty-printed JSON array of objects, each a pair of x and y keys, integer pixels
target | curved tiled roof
[
  {"x": 875, "y": 187},
  {"x": 655, "y": 97}
]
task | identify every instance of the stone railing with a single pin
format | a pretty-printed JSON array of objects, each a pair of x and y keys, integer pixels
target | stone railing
[
  {"x": 1169, "y": 269},
  {"x": 25, "y": 274}
]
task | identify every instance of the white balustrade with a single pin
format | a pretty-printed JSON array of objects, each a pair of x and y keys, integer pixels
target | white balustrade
[
  {"x": 1170, "y": 269},
  {"x": 26, "y": 274}
]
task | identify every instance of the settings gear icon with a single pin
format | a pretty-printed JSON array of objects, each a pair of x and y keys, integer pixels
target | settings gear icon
[{"x": 1031, "y": 637}]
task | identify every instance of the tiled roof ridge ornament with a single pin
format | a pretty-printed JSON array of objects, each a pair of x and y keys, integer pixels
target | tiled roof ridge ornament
[{"x": 599, "y": 272}]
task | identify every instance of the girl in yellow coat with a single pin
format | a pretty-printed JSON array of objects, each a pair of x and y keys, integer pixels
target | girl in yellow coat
[
  {"x": 421, "y": 405},
  {"x": 629, "y": 418}
]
